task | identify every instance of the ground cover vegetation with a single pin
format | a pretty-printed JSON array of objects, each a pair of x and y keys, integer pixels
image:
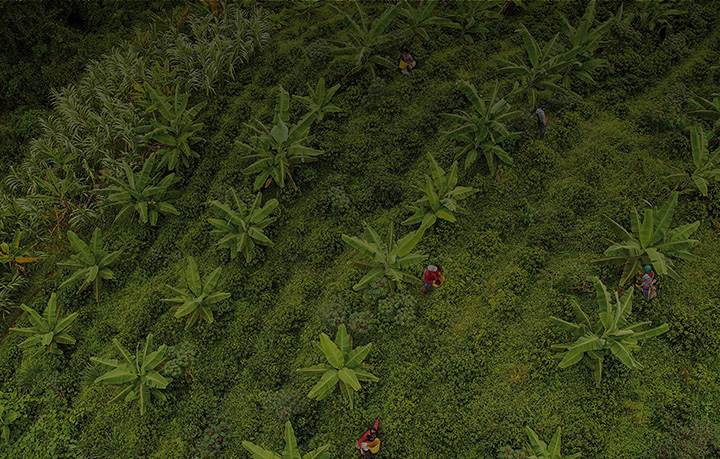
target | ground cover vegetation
[{"x": 156, "y": 150}]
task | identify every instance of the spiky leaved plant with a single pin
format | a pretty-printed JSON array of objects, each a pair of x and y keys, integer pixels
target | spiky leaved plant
[
  {"x": 651, "y": 242},
  {"x": 345, "y": 367},
  {"x": 47, "y": 331},
  {"x": 706, "y": 165},
  {"x": 91, "y": 262},
  {"x": 15, "y": 255},
  {"x": 7, "y": 417},
  {"x": 440, "y": 196},
  {"x": 613, "y": 334},
  {"x": 241, "y": 226},
  {"x": 141, "y": 371},
  {"x": 291, "y": 450},
  {"x": 319, "y": 98},
  {"x": 197, "y": 302},
  {"x": 547, "y": 451}
]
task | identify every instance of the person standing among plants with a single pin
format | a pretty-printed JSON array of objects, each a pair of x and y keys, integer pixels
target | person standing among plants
[
  {"x": 407, "y": 62},
  {"x": 431, "y": 276},
  {"x": 647, "y": 281},
  {"x": 542, "y": 120}
]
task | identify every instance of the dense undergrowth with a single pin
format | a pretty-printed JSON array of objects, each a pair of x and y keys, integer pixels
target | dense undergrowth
[{"x": 471, "y": 366}]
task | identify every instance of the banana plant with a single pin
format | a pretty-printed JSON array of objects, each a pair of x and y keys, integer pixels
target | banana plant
[
  {"x": 656, "y": 12},
  {"x": 547, "y": 451},
  {"x": 176, "y": 130},
  {"x": 440, "y": 196},
  {"x": 470, "y": 17},
  {"x": 47, "y": 331},
  {"x": 707, "y": 109},
  {"x": 419, "y": 18},
  {"x": 15, "y": 255},
  {"x": 140, "y": 193},
  {"x": 366, "y": 41},
  {"x": 57, "y": 197},
  {"x": 7, "y": 417},
  {"x": 613, "y": 334},
  {"x": 545, "y": 69},
  {"x": 141, "y": 371},
  {"x": 387, "y": 259},
  {"x": 91, "y": 262},
  {"x": 197, "y": 303},
  {"x": 651, "y": 241},
  {"x": 318, "y": 99},
  {"x": 276, "y": 149},
  {"x": 291, "y": 450},
  {"x": 241, "y": 226},
  {"x": 706, "y": 166},
  {"x": 345, "y": 367},
  {"x": 483, "y": 129}
]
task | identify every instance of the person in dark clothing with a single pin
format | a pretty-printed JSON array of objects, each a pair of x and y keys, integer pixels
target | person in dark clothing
[{"x": 542, "y": 120}]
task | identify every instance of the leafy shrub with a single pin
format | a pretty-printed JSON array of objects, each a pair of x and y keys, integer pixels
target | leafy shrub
[
  {"x": 214, "y": 438},
  {"x": 377, "y": 290},
  {"x": 284, "y": 404},
  {"x": 508, "y": 452},
  {"x": 334, "y": 312},
  {"x": 339, "y": 201},
  {"x": 698, "y": 439},
  {"x": 178, "y": 359},
  {"x": 398, "y": 308},
  {"x": 360, "y": 322},
  {"x": 375, "y": 92}
]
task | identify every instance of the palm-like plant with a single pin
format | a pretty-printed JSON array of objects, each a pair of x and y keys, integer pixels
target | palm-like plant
[
  {"x": 241, "y": 226},
  {"x": 91, "y": 262},
  {"x": 484, "y": 129},
  {"x": 547, "y": 451},
  {"x": 291, "y": 450},
  {"x": 612, "y": 334},
  {"x": 470, "y": 17},
  {"x": 544, "y": 70},
  {"x": 419, "y": 18},
  {"x": 387, "y": 259},
  {"x": 140, "y": 371},
  {"x": 140, "y": 193},
  {"x": 440, "y": 196},
  {"x": 366, "y": 41},
  {"x": 48, "y": 330},
  {"x": 58, "y": 195},
  {"x": 10, "y": 283},
  {"x": 345, "y": 367},
  {"x": 656, "y": 12},
  {"x": 177, "y": 128},
  {"x": 707, "y": 109},
  {"x": 706, "y": 167},
  {"x": 279, "y": 147},
  {"x": 7, "y": 417},
  {"x": 651, "y": 241},
  {"x": 318, "y": 99},
  {"x": 15, "y": 255},
  {"x": 197, "y": 303}
]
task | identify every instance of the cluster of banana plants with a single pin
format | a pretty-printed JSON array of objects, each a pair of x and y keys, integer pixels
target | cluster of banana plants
[
  {"x": 651, "y": 241},
  {"x": 345, "y": 367},
  {"x": 440, "y": 196},
  {"x": 241, "y": 227},
  {"x": 613, "y": 334},
  {"x": 276, "y": 149},
  {"x": 91, "y": 262}
]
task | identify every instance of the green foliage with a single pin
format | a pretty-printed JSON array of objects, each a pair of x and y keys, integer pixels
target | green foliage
[
  {"x": 386, "y": 259},
  {"x": 10, "y": 283},
  {"x": 291, "y": 450},
  {"x": 706, "y": 168},
  {"x": 508, "y": 452},
  {"x": 318, "y": 99},
  {"x": 339, "y": 200},
  {"x": 176, "y": 129},
  {"x": 420, "y": 18},
  {"x": 366, "y": 41},
  {"x": 59, "y": 199},
  {"x": 7, "y": 417},
  {"x": 441, "y": 196},
  {"x": 47, "y": 331},
  {"x": 140, "y": 371},
  {"x": 178, "y": 359},
  {"x": 345, "y": 367},
  {"x": 141, "y": 193},
  {"x": 197, "y": 303},
  {"x": 15, "y": 255},
  {"x": 91, "y": 262},
  {"x": 651, "y": 242},
  {"x": 706, "y": 109},
  {"x": 242, "y": 226},
  {"x": 398, "y": 308},
  {"x": 285, "y": 404},
  {"x": 656, "y": 12},
  {"x": 470, "y": 17},
  {"x": 699, "y": 437},
  {"x": 484, "y": 129},
  {"x": 215, "y": 438},
  {"x": 279, "y": 147},
  {"x": 547, "y": 451},
  {"x": 613, "y": 334},
  {"x": 333, "y": 312}
]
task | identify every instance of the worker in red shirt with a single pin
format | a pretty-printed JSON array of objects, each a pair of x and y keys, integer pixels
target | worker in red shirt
[{"x": 431, "y": 276}]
